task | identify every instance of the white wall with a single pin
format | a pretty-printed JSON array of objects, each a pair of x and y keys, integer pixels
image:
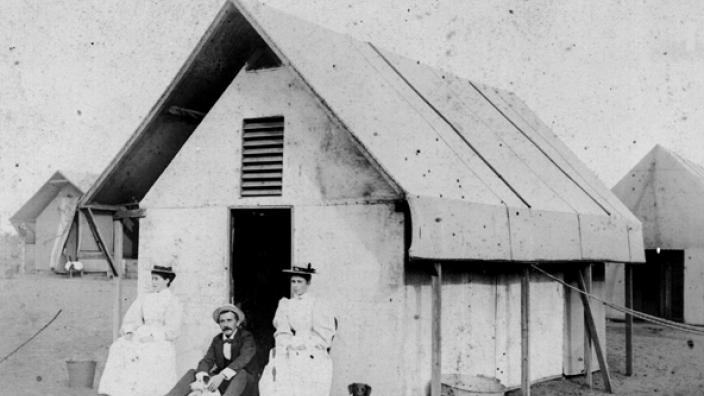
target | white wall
[
  {"x": 344, "y": 221},
  {"x": 50, "y": 224},
  {"x": 694, "y": 286}
]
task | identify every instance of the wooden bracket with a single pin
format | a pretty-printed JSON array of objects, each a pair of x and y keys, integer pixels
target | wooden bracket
[
  {"x": 130, "y": 214},
  {"x": 96, "y": 234},
  {"x": 591, "y": 329},
  {"x": 628, "y": 279},
  {"x": 436, "y": 284},
  {"x": 525, "y": 344}
]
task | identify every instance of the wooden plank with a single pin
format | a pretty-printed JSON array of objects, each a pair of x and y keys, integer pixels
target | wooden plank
[
  {"x": 591, "y": 327},
  {"x": 117, "y": 303},
  {"x": 98, "y": 238},
  {"x": 186, "y": 113},
  {"x": 273, "y": 150},
  {"x": 628, "y": 279},
  {"x": 263, "y": 142},
  {"x": 252, "y": 193},
  {"x": 256, "y": 160},
  {"x": 436, "y": 332},
  {"x": 263, "y": 134},
  {"x": 525, "y": 342},
  {"x": 265, "y": 167},
  {"x": 246, "y": 184},
  {"x": 95, "y": 206},
  {"x": 587, "y": 338},
  {"x": 275, "y": 124},
  {"x": 132, "y": 213},
  {"x": 258, "y": 175}
]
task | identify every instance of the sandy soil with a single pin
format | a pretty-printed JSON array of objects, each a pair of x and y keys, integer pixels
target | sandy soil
[
  {"x": 82, "y": 330},
  {"x": 667, "y": 362}
]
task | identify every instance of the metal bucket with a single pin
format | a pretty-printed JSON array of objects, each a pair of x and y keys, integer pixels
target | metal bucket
[
  {"x": 80, "y": 373},
  {"x": 470, "y": 385}
]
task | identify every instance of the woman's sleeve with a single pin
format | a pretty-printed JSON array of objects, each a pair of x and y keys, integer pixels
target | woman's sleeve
[
  {"x": 172, "y": 321},
  {"x": 133, "y": 317},
  {"x": 283, "y": 333},
  {"x": 324, "y": 324}
]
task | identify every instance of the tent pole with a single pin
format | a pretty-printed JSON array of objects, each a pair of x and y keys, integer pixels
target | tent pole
[
  {"x": 436, "y": 285},
  {"x": 628, "y": 275},
  {"x": 587, "y": 338},
  {"x": 525, "y": 350},
  {"x": 118, "y": 260},
  {"x": 591, "y": 328}
]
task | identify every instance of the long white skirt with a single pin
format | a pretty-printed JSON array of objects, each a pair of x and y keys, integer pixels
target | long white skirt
[
  {"x": 139, "y": 369},
  {"x": 297, "y": 373}
]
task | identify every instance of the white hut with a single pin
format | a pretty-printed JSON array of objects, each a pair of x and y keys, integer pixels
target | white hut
[
  {"x": 55, "y": 232},
  {"x": 280, "y": 142},
  {"x": 665, "y": 190}
]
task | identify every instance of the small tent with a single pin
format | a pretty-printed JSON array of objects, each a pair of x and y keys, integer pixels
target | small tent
[
  {"x": 280, "y": 143},
  {"x": 665, "y": 190},
  {"x": 55, "y": 232}
]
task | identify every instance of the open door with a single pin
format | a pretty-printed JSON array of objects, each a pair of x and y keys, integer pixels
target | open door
[
  {"x": 261, "y": 248},
  {"x": 658, "y": 285}
]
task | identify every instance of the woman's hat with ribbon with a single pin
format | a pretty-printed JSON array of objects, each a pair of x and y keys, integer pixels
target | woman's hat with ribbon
[{"x": 307, "y": 270}]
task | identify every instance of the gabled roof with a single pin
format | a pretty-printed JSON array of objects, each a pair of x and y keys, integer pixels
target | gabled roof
[
  {"x": 484, "y": 178},
  {"x": 48, "y": 191},
  {"x": 665, "y": 190}
]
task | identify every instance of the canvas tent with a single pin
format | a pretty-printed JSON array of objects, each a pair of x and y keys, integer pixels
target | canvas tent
[
  {"x": 54, "y": 232},
  {"x": 280, "y": 142},
  {"x": 664, "y": 190}
]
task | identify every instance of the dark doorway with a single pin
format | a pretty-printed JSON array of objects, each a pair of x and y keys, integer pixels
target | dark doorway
[
  {"x": 261, "y": 248},
  {"x": 658, "y": 285}
]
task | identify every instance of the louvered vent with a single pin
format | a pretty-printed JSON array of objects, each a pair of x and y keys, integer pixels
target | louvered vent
[{"x": 262, "y": 156}]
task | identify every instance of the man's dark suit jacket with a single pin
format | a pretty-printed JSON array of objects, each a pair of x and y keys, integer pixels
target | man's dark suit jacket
[{"x": 242, "y": 353}]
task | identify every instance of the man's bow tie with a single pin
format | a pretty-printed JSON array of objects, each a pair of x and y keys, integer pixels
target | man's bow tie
[{"x": 228, "y": 341}]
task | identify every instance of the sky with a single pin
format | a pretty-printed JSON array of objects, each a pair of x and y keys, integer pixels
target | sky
[{"x": 611, "y": 78}]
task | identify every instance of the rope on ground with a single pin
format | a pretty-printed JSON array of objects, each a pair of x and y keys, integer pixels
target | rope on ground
[
  {"x": 641, "y": 315},
  {"x": 32, "y": 337}
]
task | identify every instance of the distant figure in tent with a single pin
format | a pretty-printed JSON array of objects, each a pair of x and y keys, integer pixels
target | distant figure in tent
[
  {"x": 142, "y": 362},
  {"x": 299, "y": 364}
]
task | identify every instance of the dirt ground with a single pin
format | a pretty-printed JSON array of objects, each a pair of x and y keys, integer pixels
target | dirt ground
[
  {"x": 667, "y": 362},
  {"x": 82, "y": 331}
]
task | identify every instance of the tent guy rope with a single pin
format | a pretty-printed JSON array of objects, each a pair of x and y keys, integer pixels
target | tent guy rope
[
  {"x": 641, "y": 315},
  {"x": 32, "y": 337}
]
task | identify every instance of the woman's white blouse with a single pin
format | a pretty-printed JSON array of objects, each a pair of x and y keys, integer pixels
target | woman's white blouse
[
  {"x": 157, "y": 314},
  {"x": 304, "y": 322}
]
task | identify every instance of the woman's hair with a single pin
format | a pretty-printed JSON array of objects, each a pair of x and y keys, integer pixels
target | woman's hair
[
  {"x": 167, "y": 277},
  {"x": 306, "y": 277}
]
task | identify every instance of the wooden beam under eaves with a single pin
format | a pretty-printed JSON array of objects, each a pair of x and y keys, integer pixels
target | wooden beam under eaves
[
  {"x": 129, "y": 214},
  {"x": 186, "y": 113}
]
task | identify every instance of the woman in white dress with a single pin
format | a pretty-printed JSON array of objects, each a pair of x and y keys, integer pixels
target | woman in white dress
[
  {"x": 299, "y": 365},
  {"x": 142, "y": 361}
]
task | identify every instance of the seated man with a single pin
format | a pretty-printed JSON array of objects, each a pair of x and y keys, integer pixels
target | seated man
[{"x": 228, "y": 361}]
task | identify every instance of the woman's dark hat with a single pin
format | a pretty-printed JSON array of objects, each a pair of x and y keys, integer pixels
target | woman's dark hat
[
  {"x": 166, "y": 272},
  {"x": 228, "y": 308},
  {"x": 308, "y": 270}
]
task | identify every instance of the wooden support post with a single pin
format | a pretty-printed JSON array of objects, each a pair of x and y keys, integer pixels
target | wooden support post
[
  {"x": 98, "y": 238},
  {"x": 591, "y": 328},
  {"x": 587, "y": 338},
  {"x": 117, "y": 252},
  {"x": 525, "y": 342},
  {"x": 628, "y": 279},
  {"x": 436, "y": 285}
]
